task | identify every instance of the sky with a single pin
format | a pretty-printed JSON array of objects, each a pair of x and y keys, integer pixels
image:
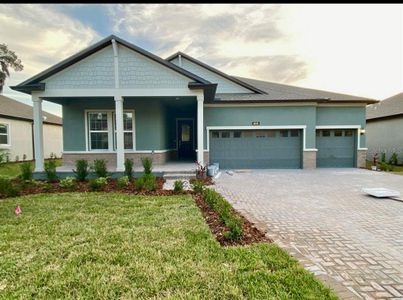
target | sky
[{"x": 355, "y": 49}]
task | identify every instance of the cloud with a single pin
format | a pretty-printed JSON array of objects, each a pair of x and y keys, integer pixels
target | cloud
[{"x": 41, "y": 36}]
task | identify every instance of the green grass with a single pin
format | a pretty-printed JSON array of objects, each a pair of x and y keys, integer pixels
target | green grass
[
  {"x": 13, "y": 169},
  {"x": 398, "y": 170},
  {"x": 111, "y": 246}
]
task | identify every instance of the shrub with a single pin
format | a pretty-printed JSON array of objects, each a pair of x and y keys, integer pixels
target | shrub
[
  {"x": 123, "y": 182},
  {"x": 201, "y": 171},
  {"x": 98, "y": 183},
  {"x": 81, "y": 170},
  {"x": 3, "y": 156},
  {"x": 7, "y": 188},
  {"x": 393, "y": 159},
  {"x": 100, "y": 168},
  {"x": 50, "y": 170},
  {"x": 383, "y": 157},
  {"x": 129, "y": 168},
  {"x": 197, "y": 186},
  {"x": 68, "y": 183},
  {"x": 17, "y": 158},
  {"x": 26, "y": 171},
  {"x": 147, "y": 164},
  {"x": 24, "y": 157},
  {"x": 146, "y": 182},
  {"x": 178, "y": 186},
  {"x": 224, "y": 210},
  {"x": 385, "y": 167}
]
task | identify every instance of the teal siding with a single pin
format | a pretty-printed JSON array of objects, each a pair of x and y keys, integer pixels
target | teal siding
[
  {"x": 267, "y": 116},
  {"x": 342, "y": 116}
]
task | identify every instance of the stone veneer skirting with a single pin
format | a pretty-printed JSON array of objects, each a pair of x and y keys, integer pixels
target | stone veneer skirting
[
  {"x": 361, "y": 158},
  {"x": 309, "y": 160},
  {"x": 69, "y": 159}
]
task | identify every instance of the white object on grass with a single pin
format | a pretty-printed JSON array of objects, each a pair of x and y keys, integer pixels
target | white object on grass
[{"x": 381, "y": 192}]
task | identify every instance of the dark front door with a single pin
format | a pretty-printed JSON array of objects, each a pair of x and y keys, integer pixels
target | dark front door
[{"x": 185, "y": 139}]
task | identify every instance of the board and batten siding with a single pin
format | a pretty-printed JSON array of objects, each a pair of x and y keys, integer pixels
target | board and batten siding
[{"x": 20, "y": 139}]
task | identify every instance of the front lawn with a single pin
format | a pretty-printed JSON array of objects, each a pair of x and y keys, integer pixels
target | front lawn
[
  {"x": 110, "y": 246},
  {"x": 12, "y": 169}
]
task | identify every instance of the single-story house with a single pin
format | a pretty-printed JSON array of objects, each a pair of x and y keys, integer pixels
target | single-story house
[
  {"x": 16, "y": 131},
  {"x": 384, "y": 128},
  {"x": 120, "y": 101}
]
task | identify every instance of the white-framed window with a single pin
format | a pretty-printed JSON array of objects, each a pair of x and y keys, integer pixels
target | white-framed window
[
  {"x": 101, "y": 130},
  {"x": 4, "y": 134}
]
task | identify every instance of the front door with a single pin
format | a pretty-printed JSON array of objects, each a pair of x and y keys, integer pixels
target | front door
[{"x": 185, "y": 139}]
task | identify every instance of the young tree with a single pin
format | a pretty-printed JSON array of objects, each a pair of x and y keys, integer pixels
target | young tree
[{"x": 8, "y": 59}]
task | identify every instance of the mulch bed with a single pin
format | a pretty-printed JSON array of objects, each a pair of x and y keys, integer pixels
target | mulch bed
[{"x": 251, "y": 234}]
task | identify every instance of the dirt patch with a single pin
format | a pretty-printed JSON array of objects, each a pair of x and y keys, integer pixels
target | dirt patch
[{"x": 250, "y": 235}]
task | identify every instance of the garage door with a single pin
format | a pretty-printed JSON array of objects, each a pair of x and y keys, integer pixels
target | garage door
[
  {"x": 256, "y": 149},
  {"x": 336, "y": 148}
]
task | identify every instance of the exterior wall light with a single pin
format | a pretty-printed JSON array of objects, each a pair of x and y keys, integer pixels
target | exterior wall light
[{"x": 362, "y": 131}]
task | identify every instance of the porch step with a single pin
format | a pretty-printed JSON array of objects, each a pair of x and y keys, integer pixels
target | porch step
[{"x": 181, "y": 175}]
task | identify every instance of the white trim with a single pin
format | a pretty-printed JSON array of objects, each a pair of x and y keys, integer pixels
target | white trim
[
  {"x": 38, "y": 132},
  {"x": 342, "y": 104},
  {"x": 311, "y": 149},
  {"x": 8, "y": 134},
  {"x": 363, "y": 149},
  {"x": 111, "y": 133},
  {"x": 114, "y": 152},
  {"x": 111, "y": 92},
  {"x": 193, "y": 131},
  {"x": 200, "y": 128},
  {"x": 128, "y": 131},
  {"x": 357, "y": 127},
  {"x": 302, "y": 127}
]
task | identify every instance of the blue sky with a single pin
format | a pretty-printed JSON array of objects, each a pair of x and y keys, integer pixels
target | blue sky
[{"x": 353, "y": 49}]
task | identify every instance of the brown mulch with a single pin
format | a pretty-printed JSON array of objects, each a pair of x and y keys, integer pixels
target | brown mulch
[{"x": 251, "y": 234}]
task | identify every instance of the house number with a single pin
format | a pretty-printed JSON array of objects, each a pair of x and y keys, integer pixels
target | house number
[{"x": 256, "y": 123}]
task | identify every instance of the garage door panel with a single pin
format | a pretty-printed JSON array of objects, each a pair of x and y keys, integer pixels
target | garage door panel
[
  {"x": 256, "y": 150},
  {"x": 336, "y": 149}
]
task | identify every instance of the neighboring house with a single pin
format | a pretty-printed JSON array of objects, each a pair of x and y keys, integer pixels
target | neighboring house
[
  {"x": 16, "y": 131},
  {"x": 120, "y": 101},
  {"x": 385, "y": 128}
]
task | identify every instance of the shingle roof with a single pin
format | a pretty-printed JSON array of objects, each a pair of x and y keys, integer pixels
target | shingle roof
[
  {"x": 280, "y": 92},
  {"x": 388, "y": 107},
  {"x": 13, "y": 108}
]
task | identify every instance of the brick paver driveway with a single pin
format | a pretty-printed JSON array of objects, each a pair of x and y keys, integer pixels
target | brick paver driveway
[{"x": 348, "y": 239}]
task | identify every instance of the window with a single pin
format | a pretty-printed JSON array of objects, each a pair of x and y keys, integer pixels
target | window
[
  {"x": 215, "y": 134},
  {"x": 294, "y": 133},
  {"x": 102, "y": 130},
  {"x": 237, "y": 134},
  {"x": 127, "y": 130},
  {"x": 4, "y": 139},
  {"x": 185, "y": 130},
  {"x": 98, "y": 127},
  {"x": 348, "y": 133},
  {"x": 326, "y": 133},
  {"x": 338, "y": 133},
  {"x": 225, "y": 134},
  {"x": 284, "y": 133}
]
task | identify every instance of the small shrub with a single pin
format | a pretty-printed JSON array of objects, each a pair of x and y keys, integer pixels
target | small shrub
[
  {"x": 68, "y": 183},
  {"x": 81, "y": 170},
  {"x": 178, "y": 186},
  {"x": 393, "y": 159},
  {"x": 50, "y": 170},
  {"x": 147, "y": 164},
  {"x": 24, "y": 157},
  {"x": 224, "y": 210},
  {"x": 98, "y": 183},
  {"x": 123, "y": 182},
  {"x": 7, "y": 188},
  {"x": 3, "y": 156},
  {"x": 17, "y": 158},
  {"x": 383, "y": 157},
  {"x": 146, "y": 182},
  {"x": 100, "y": 168},
  {"x": 26, "y": 171},
  {"x": 197, "y": 186},
  {"x": 385, "y": 167},
  {"x": 129, "y": 168},
  {"x": 201, "y": 171}
]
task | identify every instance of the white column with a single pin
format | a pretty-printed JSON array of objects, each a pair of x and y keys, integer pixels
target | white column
[
  {"x": 120, "y": 151},
  {"x": 38, "y": 133},
  {"x": 200, "y": 130}
]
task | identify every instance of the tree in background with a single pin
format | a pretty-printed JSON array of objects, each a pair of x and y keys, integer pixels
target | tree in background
[{"x": 8, "y": 59}]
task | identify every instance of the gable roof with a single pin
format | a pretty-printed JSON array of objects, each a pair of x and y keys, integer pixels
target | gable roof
[
  {"x": 388, "y": 107},
  {"x": 34, "y": 83},
  {"x": 10, "y": 108},
  {"x": 282, "y": 92},
  {"x": 218, "y": 72}
]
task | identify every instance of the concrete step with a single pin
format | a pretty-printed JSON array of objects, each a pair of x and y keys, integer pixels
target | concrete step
[{"x": 183, "y": 176}]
